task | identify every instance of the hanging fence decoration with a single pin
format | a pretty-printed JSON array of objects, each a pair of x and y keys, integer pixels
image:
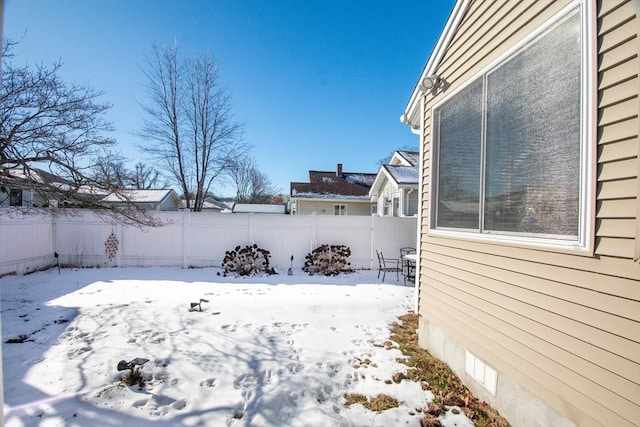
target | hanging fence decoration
[{"x": 111, "y": 246}]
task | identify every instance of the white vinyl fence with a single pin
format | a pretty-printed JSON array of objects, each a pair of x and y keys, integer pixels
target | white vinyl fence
[{"x": 28, "y": 242}]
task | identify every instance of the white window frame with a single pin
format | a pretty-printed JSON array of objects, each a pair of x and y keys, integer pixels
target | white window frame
[
  {"x": 584, "y": 244},
  {"x": 341, "y": 207},
  {"x": 396, "y": 207}
]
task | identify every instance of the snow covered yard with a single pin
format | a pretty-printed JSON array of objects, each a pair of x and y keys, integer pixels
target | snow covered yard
[{"x": 265, "y": 351}]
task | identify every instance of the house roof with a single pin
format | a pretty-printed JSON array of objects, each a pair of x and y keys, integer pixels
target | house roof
[
  {"x": 35, "y": 175},
  {"x": 209, "y": 204},
  {"x": 258, "y": 208},
  {"x": 412, "y": 110},
  {"x": 409, "y": 158},
  {"x": 334, "y": 185},
  {"x": 46, "y": 181},
  {"x": 140, "y": 196},
  {"x": 403, "y": 170},
  {"x": 403, "y": 175}
]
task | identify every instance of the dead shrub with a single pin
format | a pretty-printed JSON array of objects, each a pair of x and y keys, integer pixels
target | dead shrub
[
  {"x": 328, "y": 260},
  {"x": 248, "y": 261}
]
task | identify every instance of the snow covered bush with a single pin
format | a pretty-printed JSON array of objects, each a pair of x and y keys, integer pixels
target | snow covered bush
[
  {"x": 329, "y": 260},
  {"x": 248, "y": 261}
]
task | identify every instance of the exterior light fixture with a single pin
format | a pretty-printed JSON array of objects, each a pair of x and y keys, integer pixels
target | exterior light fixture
[{"x": 429, "y": 83}]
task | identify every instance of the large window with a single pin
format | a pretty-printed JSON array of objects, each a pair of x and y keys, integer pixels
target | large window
[{"x": 508, "y": 146}]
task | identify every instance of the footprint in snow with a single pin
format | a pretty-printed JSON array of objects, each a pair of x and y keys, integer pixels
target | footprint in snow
[
  {"x": 140, "y": 403},
  {"x": 209, "y": 382},
  {"x": 179, "y": 404},
  {"x": 245, "y": 381}
]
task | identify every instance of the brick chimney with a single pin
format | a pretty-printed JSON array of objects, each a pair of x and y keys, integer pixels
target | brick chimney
[{"x": 339, "y": 169}]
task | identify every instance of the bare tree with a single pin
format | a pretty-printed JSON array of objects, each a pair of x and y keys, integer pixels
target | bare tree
[
  {"x": 189, "y": 126},
  {"x": 146, "y": 177},
  {"x": 387, "y": 159},
  {"x": 46, "y": 123},
  {"x": 111, "y": 169},
  {"x": 252, "y": 185}
]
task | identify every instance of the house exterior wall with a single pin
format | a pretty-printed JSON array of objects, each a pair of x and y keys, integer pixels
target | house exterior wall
[
  {"x": 27, "y": 196},
  {"x": 407, "y": 200},
  {"x": 322, "y": 207},
  {"x": 169, "y": 204},
  {"x": 388, "y": 192},
  {"x": 560, "y": 328}
]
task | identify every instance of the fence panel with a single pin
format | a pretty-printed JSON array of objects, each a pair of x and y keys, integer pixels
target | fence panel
[
  {"x": 80, "y": 238},
  {"x": 194, "y": 239},
  {"x": 352, "y": 231},
  {"x": 390, "y": 234},
  {"x": 26, "y": 241},
  {"x": 210, "y": 235},
  {"x": 153, "y": 246},
  {"x": 293, "y": 236}
]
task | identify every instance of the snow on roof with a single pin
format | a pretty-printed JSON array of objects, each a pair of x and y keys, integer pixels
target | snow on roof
[
  {"x": 41, "y": 178},
  {"x": 331, "y": 185},
  {"x": 360, "y": 178},
  {"x": 329, "y": 196},
  {"x": 413, "y": 157},
  {"x": 404, "y": 174},
  {"x": 258, "y": 208},
  {"x": 404, "y": 170},
  {"x": 36, "y": 175},
  {"x": 138, "y": 196}
]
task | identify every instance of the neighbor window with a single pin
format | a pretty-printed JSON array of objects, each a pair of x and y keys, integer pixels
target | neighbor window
[
  {"x": 339, "y": 209},
  {"x": 15, "y": 197},
  {"x": 508, "y": 145}
]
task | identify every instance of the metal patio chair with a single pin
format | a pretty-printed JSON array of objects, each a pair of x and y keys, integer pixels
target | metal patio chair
[{"x": 391, "y": 265}]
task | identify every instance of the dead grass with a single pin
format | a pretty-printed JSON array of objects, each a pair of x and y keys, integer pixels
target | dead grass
[
  {"x": 436, "y": 375},
  {"x": 133, "y": 378},
  {"x": 380, "y": 403}
]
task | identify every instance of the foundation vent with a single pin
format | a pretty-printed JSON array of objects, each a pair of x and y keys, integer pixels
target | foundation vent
[{"x": 481, "y": 372}]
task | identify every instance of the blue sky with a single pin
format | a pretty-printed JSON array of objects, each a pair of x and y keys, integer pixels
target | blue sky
[{"x": 315, "y": 83}]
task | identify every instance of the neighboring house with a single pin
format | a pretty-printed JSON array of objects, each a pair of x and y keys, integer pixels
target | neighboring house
[
  {"x": 153, "y": 200},
  {"x": 210, "y": 204},
  {"x": 258, "y": 208},
  {"x": 529, "y": 274},
  {"x": 333, "y": 193},
  {"x": 33, "y": 187},
  {"x": 213, "y": 205},
  {"x": 395, "y": 189}
]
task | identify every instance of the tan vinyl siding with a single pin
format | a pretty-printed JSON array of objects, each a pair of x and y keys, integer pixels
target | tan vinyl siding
[
  {"x": 565, "y": 325},
  {"x": 509, "y": 22},
  {"x": 308, "y": 207}
]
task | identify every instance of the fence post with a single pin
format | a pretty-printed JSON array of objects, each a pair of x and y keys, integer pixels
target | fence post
[
  {"x": 250, "y": 227},
  {"x": 54, "y": 233},
  {"x": 314, "y": 231},
  {"x": 186, "y": 233},
  {"x": 371, "y": 248},
  {"x": 120, "y": 237}
]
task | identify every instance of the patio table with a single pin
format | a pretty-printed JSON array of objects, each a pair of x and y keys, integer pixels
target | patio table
[{"x": 409, "y": 261}]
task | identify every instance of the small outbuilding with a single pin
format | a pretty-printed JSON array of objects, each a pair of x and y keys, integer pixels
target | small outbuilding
[{"x": 154, "y": 200}]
